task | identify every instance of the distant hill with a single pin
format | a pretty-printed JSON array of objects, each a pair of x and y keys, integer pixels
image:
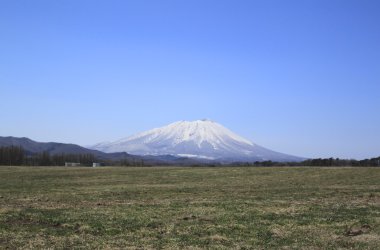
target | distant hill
[
  {"x": 54, "y": 148},
  {"x": 51, "y": 147}
]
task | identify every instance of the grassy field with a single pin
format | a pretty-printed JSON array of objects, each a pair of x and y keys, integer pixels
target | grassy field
[{"x": 231, "y": 208}]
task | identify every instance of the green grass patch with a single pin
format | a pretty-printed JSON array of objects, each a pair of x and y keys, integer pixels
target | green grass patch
[{"x": 215, "y": 208}]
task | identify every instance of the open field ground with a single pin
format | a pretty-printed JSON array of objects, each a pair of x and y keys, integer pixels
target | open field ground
[{"x": 239, "y": 208}]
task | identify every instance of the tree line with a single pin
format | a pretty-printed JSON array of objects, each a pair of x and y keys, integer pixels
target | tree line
[
  {"x": 320, "y": 162},
  {"x": 17, "y": 156}
]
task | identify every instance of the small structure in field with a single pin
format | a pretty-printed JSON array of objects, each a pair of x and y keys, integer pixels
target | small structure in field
[
  {"x": 72, "y": 164},
  {"x": 96, "y": 164}
]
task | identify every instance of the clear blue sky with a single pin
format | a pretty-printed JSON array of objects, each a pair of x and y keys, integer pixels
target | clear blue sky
[{"x": 300, "y": 77}]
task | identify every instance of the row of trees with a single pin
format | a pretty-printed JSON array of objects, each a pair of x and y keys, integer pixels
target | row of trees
[
  {"x": 127, "y": 163},
  {"x": 12, "y": 156},
  {"x": 45, "y": 159},
  {"x": 327, "y": 162},
  {"x": 17, "y": 156}
]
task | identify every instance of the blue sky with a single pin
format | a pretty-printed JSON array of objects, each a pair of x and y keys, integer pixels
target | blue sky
[{"x": 300, "y": 77}]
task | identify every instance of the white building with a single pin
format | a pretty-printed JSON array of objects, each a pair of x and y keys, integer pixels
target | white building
[{"x": 72, "y": 164}]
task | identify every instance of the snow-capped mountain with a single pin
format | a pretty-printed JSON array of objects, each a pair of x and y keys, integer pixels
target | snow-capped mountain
[{"x": 199, "y": 139}]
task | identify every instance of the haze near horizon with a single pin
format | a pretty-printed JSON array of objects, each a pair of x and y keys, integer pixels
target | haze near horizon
[{"x": 299, "y": 77}]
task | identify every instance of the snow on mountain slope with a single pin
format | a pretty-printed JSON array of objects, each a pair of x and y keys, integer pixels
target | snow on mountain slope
[{"x": 199, "y": 139}]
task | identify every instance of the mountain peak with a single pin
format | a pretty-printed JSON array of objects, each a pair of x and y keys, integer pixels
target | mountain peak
[
  {"x": 201, "y": 138},
  {"x": 206, "y": 120}
]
